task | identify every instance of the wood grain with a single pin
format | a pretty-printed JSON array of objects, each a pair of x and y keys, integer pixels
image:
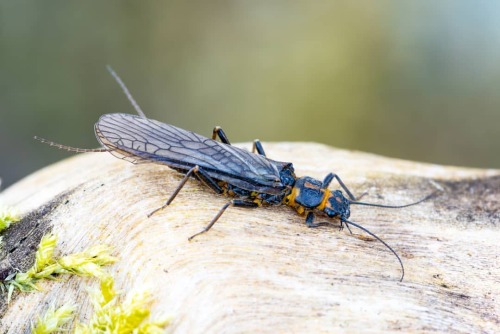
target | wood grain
[{"x": 262, "y": 270}]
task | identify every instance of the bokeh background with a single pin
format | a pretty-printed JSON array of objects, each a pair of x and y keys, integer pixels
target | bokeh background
[{"x": 410, "y": 79}]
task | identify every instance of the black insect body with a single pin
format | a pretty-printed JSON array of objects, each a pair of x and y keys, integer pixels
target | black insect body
[{"x": 251, "y": 179}]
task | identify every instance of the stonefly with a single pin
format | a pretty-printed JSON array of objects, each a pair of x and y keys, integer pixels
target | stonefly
[{"x": 250, "y": 178}]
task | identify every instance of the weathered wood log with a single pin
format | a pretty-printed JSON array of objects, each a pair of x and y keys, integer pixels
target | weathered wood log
[{"x": 263, "y": 270}]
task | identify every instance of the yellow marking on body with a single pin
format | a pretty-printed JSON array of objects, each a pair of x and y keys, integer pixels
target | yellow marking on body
[
  {"x": 324, "y": 201},
  {"x": 290, "y": 199},
  {"x": 258, "y": 201},
  {"x": 225, "y": 189}
]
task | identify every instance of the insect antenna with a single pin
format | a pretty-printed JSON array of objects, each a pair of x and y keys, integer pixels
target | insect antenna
[
  {"x": 70, "y": 148},
  {"x": 394, "y": 206},
  {"x": 345, "y": 221},
  {"x": 126, "y": 91}
]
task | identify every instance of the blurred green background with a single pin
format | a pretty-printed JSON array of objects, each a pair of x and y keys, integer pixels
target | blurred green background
[{"x": 410, "y": 79}]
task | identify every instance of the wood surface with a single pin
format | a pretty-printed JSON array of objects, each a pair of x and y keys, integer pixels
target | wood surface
[{"x": 263, "y": 270}]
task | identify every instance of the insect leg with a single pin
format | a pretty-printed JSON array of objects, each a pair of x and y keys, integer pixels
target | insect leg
[
  {"x": 218, "y": 132},
  {"x": 328, "y": 179},
  {"x": 257, "y": 146},
  {"x": 342, "y": 224},
  {"x": 201, "y": 175},
  {"x": 234, "y": 202},
  {"x": 208, "y": 180},
  {"x": 310, "y": 221},
  {"x": 176, "y": 191}
]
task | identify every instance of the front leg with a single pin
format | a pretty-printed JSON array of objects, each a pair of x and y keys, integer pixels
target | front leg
[
  {"x": 310, "y": 221},
  {"x": 328, "y": 179}
]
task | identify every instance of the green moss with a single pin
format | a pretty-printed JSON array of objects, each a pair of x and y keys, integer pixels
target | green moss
[
  {"x": 53, "y": 320},
  {"x": 7, "y": 218},
  {"x": 86, "y": 263},
  {"x": 113, "y": 315}
]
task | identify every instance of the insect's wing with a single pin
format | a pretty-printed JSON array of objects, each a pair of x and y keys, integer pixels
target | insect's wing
[{"x": 139, "y": 140}]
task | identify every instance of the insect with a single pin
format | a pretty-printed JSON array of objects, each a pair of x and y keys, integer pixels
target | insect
[{"x": 250, "y": 178}]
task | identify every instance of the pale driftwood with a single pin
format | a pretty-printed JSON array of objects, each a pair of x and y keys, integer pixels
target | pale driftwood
[{"x": 263, "y": 270}]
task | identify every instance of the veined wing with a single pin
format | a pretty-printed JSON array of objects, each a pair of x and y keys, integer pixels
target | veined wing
[{"x": 140, "y": 140}]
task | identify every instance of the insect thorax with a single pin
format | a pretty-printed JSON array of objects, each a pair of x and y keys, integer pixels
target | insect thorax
[{"x": 307, "y": 194}]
